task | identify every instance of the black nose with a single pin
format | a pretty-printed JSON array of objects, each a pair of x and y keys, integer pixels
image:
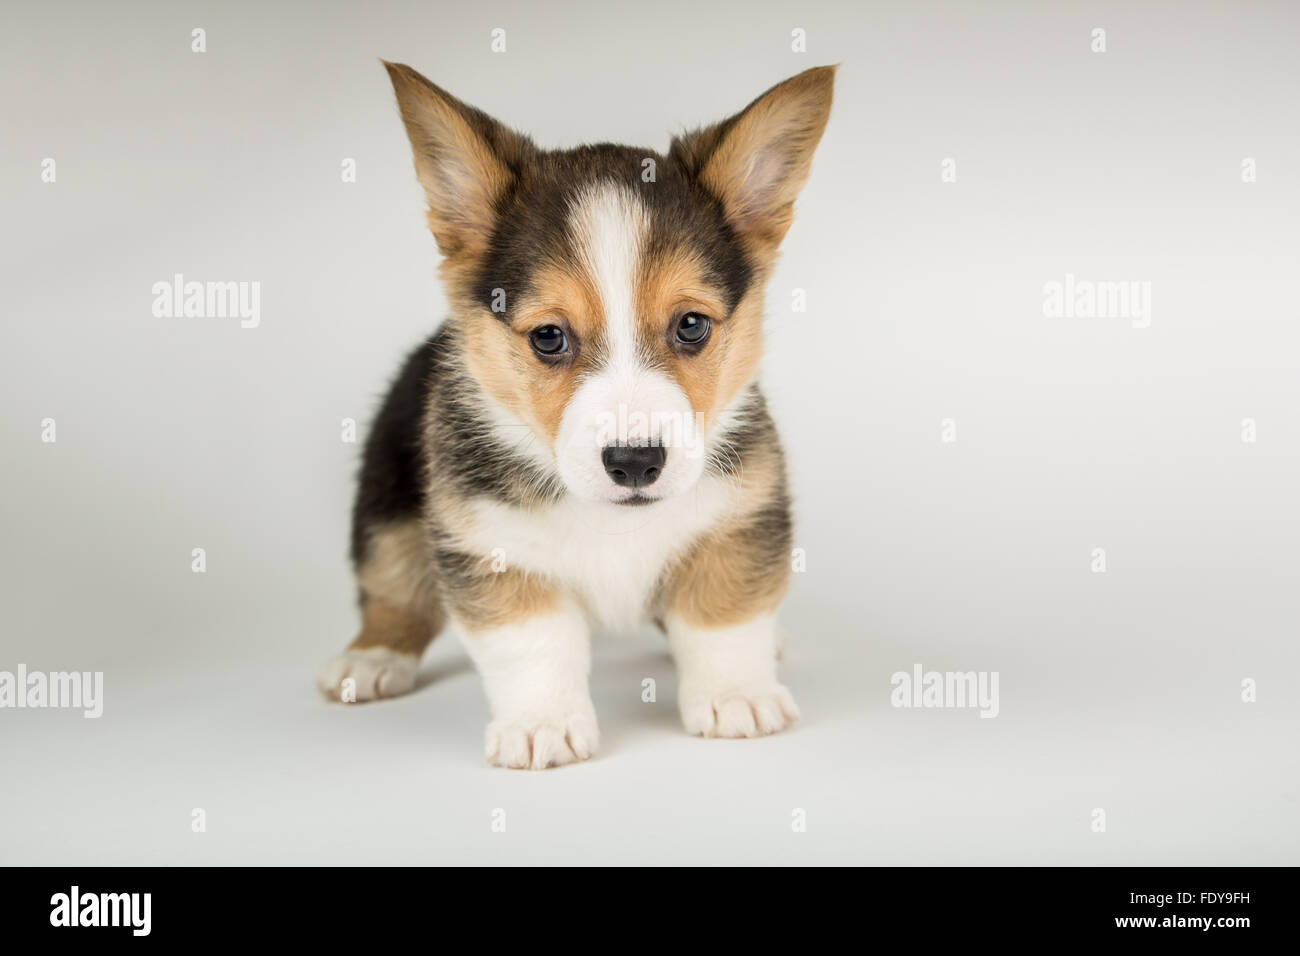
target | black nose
[{"x": 634, "y": 466}]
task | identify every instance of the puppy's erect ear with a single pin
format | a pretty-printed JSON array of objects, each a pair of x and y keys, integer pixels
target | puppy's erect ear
[
  {"x": 757, "y": 161},
  {"x": 464, "y": 159}
]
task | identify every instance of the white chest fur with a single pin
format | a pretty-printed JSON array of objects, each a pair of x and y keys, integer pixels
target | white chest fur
[{"x": 611, "y": 556}]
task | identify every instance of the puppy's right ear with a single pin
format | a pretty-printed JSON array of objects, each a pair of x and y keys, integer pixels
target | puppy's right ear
[
  {"x": 464, "y": 159},
  {"x": 756, "y": 162}
]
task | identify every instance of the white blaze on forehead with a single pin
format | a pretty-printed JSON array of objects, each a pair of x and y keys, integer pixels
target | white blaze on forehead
[
  {"x": 609, "y": 225},
  {"x": 622, "y": 401}
]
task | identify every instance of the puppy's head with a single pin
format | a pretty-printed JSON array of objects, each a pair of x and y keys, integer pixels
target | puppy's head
[{"x": 611, "y": 297}]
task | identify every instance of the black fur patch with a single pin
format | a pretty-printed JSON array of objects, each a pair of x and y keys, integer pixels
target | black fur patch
[
  {"x": 533, "y": 219},
  {"x": 394, "y": 479},
  {"x": 390, "y": 486}
]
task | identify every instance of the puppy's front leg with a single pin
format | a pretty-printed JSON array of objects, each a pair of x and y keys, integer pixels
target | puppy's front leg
[
  {"x": 727, "y": 684},
  {"x": 721, "y": 625},
  {"x": 535, "y": 670}
]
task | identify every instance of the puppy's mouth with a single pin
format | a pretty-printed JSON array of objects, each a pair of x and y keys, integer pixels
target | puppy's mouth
[{"x": 634, "y": 500}]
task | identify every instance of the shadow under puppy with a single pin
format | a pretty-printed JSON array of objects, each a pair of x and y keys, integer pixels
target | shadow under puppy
[{"x": 583, "y": 441}]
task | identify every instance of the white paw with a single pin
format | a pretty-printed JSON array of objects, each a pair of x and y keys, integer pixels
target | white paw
[
  {"x": 368, "y": 674},
  {"x": 535, "y": 743},
  {"x": 751, "y": 711}
]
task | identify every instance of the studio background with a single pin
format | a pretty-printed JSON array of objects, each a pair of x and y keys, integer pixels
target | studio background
[{"x": 925, "y": 302}]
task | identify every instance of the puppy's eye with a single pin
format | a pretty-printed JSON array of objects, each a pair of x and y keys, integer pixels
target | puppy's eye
[
  {"x": 549, "y": 341},
  {"x": 693, "y": 328}
]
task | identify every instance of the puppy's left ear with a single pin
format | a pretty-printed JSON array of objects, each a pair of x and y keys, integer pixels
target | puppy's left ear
[
  {"x": 756, "y": 162},
  {"x": 464, "y": 159}
]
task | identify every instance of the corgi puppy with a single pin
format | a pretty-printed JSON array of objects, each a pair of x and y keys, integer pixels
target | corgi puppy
[{"x": 582, "y": 443}]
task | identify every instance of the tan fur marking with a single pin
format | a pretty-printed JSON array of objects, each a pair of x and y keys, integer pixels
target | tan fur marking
[
  {"x": 723, "y": 585},
  {"x": 740, "y": 569},
  {"x": 502, "y": 359},
  {"x": 740, "y": 344},
  {"x": 397, "y": 568},
  {"x": 400, "y": 606},
  {"x": 675, "y": 283},
  {"x": 482, "y": 598},
  {"x": 397, "y": 629},
  {"x": 495, "y": 600}
]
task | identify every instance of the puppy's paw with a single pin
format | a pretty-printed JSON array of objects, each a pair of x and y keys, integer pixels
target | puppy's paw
[
  {"x": 535, "y": 743},
  {"x": 374, "y": 672},
  {"x": 752, "y": 711}
]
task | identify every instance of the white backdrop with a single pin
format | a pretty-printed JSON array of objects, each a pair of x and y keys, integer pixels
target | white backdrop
[{"x": 1120, "y": 691}]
